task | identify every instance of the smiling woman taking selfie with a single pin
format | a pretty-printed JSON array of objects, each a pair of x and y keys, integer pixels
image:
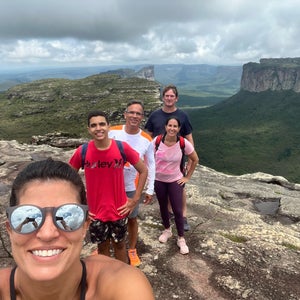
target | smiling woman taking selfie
[{"x": 47, "y": 223}]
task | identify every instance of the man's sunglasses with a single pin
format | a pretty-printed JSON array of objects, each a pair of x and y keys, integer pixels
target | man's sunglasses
[{"x": 28, "y": 218}]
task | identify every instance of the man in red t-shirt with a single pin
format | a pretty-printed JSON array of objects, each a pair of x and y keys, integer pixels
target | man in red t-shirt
[{"x": 107, "y": 200}]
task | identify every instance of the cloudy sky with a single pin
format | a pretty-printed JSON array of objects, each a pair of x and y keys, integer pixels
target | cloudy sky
[{"x": 39, "y": 33}]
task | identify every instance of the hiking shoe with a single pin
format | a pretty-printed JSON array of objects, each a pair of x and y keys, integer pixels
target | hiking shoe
[
  {"x": 166, "y": 234},
  {"x": 133, "y": 258},
  {"x": 184, "y": 249},
  {"x": 186, "y": 225}
]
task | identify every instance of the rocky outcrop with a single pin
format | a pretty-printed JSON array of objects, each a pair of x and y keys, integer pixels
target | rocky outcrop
[
  {"x": 57, "y": 139},
  {"x": 144, "y": 73},
  {"x": 272, "y": 74},
  {"x": 244, "y": 239},
  {"x": 147, "y": 73}
]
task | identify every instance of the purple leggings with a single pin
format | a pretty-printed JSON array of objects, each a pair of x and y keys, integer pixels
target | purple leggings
[{"x": 172, "y": 191}]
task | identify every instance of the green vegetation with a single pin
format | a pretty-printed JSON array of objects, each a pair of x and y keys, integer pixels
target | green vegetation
[
  {"x": 290, "y": 246},
  {"x": 193, "y": 102},
  {"x": 61, "y": 105},
  {"x": 251, "y": 132},
  {"x": 234, "y": 238}
]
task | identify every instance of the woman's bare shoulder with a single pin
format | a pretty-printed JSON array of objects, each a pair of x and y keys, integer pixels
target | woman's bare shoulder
[
  {"x": 4, "y": 275},
  {"x": 103, "y": 267},
  {"x": 113, "y": 279},
  {"x": 4, "y": 283}
]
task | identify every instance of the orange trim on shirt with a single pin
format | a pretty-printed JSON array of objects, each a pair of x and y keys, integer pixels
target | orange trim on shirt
[
  {"x": 136, "y": 179},
  {"x": 146, "y": 135}
]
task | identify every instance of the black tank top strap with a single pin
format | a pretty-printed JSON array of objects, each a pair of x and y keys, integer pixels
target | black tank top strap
[
  {"x": 12, "y": 284},
  {"x": 83, "y": 281}
]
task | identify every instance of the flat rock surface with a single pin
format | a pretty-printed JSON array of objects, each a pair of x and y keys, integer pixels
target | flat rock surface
[{"x": 244, "y": 239}]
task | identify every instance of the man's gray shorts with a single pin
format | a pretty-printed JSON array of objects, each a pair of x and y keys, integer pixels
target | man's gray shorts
[{"x": 135, "y": 212}]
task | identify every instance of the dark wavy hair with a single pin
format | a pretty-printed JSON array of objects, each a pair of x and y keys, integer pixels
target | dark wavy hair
[{"x": 44, "y": 170}]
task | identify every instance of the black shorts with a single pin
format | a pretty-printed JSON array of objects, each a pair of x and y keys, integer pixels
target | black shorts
[{"x": 101, "y": 231}]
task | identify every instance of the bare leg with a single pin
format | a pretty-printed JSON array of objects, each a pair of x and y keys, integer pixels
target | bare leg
[
  {"x": 104, "y": 248},
  {"x": 120, "y": 251},
  {"x": 132, "y": 228}
]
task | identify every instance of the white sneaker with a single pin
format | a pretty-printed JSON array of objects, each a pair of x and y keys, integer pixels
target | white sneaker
[
  {"x": 167, "y": 233},
  {"x": 184, "y": 249}
]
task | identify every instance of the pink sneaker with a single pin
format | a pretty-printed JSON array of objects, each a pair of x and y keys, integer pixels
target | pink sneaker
[
  {"x": 184, "y": 249},
  {"x": 166, "y": 234}
]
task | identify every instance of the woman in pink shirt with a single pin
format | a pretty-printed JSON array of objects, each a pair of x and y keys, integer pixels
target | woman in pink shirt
[{"x": 170, "y": 181}]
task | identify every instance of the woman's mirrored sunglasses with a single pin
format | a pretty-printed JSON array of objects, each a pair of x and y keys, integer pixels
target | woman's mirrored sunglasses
[{"x": 28, "y": 218}]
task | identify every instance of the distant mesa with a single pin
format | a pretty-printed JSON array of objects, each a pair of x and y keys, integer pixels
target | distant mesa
[
  {"x": 145, "y": 73},
  {"x": 275, "y": 74}
]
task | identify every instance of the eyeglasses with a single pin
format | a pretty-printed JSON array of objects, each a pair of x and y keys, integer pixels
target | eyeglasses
[
  {"x": 25, "y": 219},
  {"x": 132, "y": 113}
]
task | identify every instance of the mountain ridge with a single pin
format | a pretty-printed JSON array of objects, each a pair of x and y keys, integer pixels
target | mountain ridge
[
  {"x": 247, "y": 132},
  {"x": 204, "y": 80}
]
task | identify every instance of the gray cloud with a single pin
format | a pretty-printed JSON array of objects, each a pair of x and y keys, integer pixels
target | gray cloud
[{"x": 76, "y": 32}]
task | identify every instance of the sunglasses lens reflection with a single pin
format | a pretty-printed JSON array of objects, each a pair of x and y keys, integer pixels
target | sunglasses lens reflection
[
  {"x": 26, "y": 219},
  {"x": 69, "y": 217}
]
